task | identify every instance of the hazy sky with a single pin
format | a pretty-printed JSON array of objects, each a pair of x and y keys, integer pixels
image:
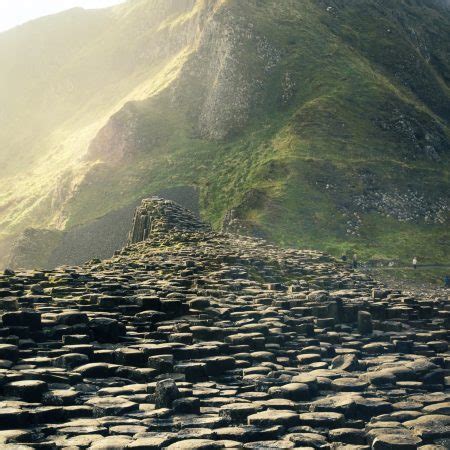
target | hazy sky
[{"x": 16, "y": 12}]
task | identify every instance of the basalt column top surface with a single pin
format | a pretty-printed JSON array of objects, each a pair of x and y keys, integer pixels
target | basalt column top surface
[{"x": 191, "y": 339}]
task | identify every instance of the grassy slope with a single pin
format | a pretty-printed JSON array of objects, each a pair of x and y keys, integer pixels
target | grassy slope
[
  {"x": 75, "y": 70},
  {"x": 337, "y": 139},
  {"x": 354, "y": 93},
  {"x": 276, "y": 170},
  {"x": 328, "y": 136}
]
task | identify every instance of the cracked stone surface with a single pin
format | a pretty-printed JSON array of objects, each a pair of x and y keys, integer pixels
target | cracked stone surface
[{"x": 193, "y": 339}]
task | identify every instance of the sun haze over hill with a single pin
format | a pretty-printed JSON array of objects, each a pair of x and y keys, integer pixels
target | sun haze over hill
[{"x": 18, "y": 12}]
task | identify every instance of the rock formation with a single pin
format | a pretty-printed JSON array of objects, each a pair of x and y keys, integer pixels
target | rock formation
[
  {"x": 192, "y": 339},
  {"x": 156, "y": 215}
]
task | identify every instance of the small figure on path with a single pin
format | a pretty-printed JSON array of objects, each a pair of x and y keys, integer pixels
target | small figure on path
[
  {"x": 447, "y": 281},
  {"x": 355, "y": 261},
  {"x": 414, "y": 263}
]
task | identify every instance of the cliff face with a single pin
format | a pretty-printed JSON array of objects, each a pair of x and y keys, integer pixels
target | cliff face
[{"x": 319, "y": 124}]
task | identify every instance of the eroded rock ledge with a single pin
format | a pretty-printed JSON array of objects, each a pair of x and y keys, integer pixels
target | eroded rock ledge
[
  {"x": 156, "y": 215},
  {"x": 199, "y": 340}
]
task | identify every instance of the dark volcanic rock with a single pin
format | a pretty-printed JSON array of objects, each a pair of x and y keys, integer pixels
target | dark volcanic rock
[
  {"x": 165, "y": 393},
  {"x": 188, "y": 338}
]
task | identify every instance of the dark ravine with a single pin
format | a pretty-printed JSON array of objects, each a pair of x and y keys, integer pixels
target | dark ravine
[{"x": 194, "y": 339}]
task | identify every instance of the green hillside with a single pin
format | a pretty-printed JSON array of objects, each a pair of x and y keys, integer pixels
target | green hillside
[{"x": 320, "y": 124}]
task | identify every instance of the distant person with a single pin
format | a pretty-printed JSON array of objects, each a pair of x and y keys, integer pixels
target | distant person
[
  {"x": 355, "y": 261},
  {"x": 415, "y": 263},
  {"x": 447, "y": 281}
]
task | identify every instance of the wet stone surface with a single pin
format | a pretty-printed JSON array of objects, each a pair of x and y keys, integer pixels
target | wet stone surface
[{"x": 200, "y": 340}]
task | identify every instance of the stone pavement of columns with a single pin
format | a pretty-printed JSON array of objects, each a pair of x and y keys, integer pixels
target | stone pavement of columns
[{"x": 199, "y": 340}]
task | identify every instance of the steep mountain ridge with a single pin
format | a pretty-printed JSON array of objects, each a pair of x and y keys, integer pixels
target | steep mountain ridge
[
  {"x": 77, "y": 85},
  {"x": 319, "y": 124}
]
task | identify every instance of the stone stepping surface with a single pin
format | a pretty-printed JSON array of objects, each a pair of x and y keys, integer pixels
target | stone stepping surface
[{"x": 192, "y": 339}]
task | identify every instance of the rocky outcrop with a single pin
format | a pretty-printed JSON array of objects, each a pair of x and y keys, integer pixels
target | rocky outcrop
[
  {"x": 195, "y": 339},
  {"x": 156, "y": 215}
]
